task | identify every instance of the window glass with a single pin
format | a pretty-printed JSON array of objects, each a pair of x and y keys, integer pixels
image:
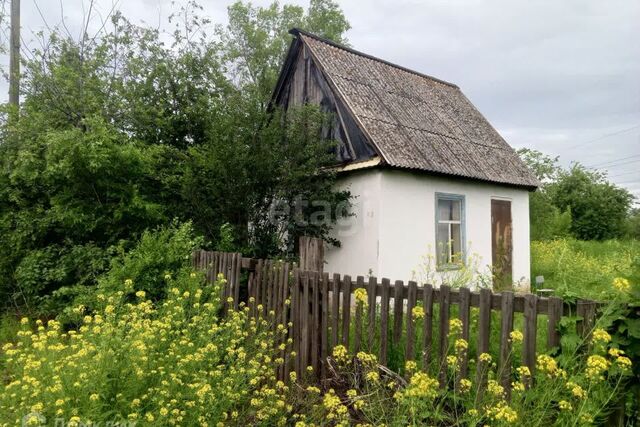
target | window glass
[{"x": 449, "y": 230}]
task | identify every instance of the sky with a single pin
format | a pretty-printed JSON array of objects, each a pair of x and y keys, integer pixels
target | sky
[{"x": 562, "y": 77}]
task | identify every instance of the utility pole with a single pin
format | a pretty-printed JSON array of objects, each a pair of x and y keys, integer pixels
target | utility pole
[{"x": 14, "y": 55}]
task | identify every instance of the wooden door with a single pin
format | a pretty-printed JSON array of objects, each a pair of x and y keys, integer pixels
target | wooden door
[{"x": 501, "y": 244}]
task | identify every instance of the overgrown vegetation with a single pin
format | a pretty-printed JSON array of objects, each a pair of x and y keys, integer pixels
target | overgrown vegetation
[
  {"x": 584, "y": 269},
  {"x": 577, "y": 202},
  {"x": 154, "y": 346},
  {"x": 120, "y": 132}
]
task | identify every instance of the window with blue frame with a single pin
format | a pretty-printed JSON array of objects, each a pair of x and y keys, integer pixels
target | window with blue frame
[{"x": 449, "y": 230}]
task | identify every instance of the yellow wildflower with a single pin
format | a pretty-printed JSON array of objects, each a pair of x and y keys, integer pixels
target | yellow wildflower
[
  {"x": 516, "y": 336},
  {"x": 485, "y": 358},
  {"x": 410, "y": 365},
  {"x": 417, "y": 313},
  {"x": 360, "y": 295},
  {"x": 464, "y": 386},
  {"x": 565, "y": 406},
  {"x": 600, "y": 335},
  {"x": 621, "y": 284},
  {"x": 455, "y": 326},
  {"x": 340, "y": 353},
  {"x": 461, "y": 345},
  {"x": 596, "y": 366}
]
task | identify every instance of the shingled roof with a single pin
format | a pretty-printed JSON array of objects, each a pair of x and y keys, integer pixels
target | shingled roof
[{"x": 414, "y": 121}]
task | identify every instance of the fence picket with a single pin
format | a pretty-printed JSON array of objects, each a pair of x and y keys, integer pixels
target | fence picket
[
  {"x": 305, "y": 321},
  {"x": 358, "y": 319},
  {"x": 325, "y": 325},
  {"x": 314, "y": 289},
  {"x": 555, "y": 314},
  {"x": 384, "y": 321},
  {"x": 371, "y": 293},
  {"x": 464, "y": 315},
  {"x": 484, "y": 326},
  {"x": 398, "y": 304},
  {"x": 335, "y": 310},
  {"x": 427, "y": 329},
  {"x": 506, "y": 326},
  {"x": 530, "y": 325},
  {"x": 346, "y": 309},
  {"x": 443, "y": 337},
  {"x": 412, "y": 293}
]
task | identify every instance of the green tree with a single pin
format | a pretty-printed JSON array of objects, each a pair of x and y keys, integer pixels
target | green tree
[
  {"x": 599, "y": 209},
  {"x": 256, "y": 39},
  {"x": 547, "y": 220},
  {"x": 120, "y": 132}
]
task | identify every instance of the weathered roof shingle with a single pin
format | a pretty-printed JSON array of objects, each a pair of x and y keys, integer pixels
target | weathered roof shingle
[{"x": 417, "y": 121}]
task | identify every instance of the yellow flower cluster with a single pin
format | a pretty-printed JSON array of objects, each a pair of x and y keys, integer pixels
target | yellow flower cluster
[
  {"x": 565, "y": 406},
  {"x": 455, "y": 326},
  {"x": 341, "y": 354},
  {"x": 417, "y": 312},
  {"x": 335, "y": 409},
  {"x": 621, "y": 284},
  {"x": 495, "y": 388},
  {"x": 548, "y": 365},
  {"x": 464, "y": 385},
  {"x": 516, "y": 336},
  {"x": 596, "y": 367},
  {"x": 485, "y": 358},
  {"x": 461, "y": 345},
  {"x": 576, "y": 390},
  {"x": 361, "y": 297},
  {"x": 600, "y": 336},
  {"x": 421, "y": 386},
  {"x": 502, "y": 412}
]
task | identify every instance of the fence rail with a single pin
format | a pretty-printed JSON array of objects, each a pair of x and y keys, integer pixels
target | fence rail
[{"x": 324, "y": 313}]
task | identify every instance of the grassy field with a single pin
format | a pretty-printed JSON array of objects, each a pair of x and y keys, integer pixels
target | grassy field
[{"x": 584, "y": 269}]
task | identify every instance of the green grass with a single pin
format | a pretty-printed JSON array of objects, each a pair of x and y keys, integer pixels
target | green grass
[
  {"x": 583, "y": 269},
  {"x": 9, "y": 327}
]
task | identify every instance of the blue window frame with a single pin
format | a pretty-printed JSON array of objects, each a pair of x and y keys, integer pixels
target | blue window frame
[{"x": 450, "y": 230}]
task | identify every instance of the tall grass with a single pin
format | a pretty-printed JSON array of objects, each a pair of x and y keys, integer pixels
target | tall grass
[{"x": 583, "y": 269}]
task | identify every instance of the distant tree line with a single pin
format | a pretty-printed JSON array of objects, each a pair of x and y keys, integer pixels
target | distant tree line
[{"x": 578, "y": 202}]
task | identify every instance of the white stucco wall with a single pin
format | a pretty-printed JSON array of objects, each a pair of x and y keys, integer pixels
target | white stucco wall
[
  {"x": 359, "y": 234},
  {"x": 395, "y": 224}
]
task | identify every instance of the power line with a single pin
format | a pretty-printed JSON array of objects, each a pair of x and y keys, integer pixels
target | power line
[
  {"x": 604, "y": 136},
  {"x": 603, "y": 164},
  {"x": 625, "y": 173},
  {"x": 615, "y": 165}
]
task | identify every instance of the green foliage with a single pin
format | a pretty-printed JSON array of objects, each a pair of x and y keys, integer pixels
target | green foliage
[
  {"x": 122, "y": 132},
  {"x": 633, "y": 225},
  {"x": 583, "y": 269},
  {"x": 598, "y": 208},
  {"x": 68, "y": 196},
  {"x": 575, "y": 202},
  {"x": 256, "y": 39}
]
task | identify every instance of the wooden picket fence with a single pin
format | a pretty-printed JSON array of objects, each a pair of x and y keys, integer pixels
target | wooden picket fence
[{"x": 323, "y": 314}]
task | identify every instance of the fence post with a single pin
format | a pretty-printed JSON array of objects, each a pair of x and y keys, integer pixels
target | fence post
[
  {"x": 530, "y": 325},
  {"x": 311, "y": 254}
]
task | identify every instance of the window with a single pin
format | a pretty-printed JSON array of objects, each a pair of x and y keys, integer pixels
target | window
[{"x": 449, "y": 230}]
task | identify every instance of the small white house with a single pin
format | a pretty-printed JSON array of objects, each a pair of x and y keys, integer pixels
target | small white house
[{"x": 438, "y": 191}]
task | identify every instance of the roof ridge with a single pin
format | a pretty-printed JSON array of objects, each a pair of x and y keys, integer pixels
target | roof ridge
[{"x": 298, "y": 31}]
